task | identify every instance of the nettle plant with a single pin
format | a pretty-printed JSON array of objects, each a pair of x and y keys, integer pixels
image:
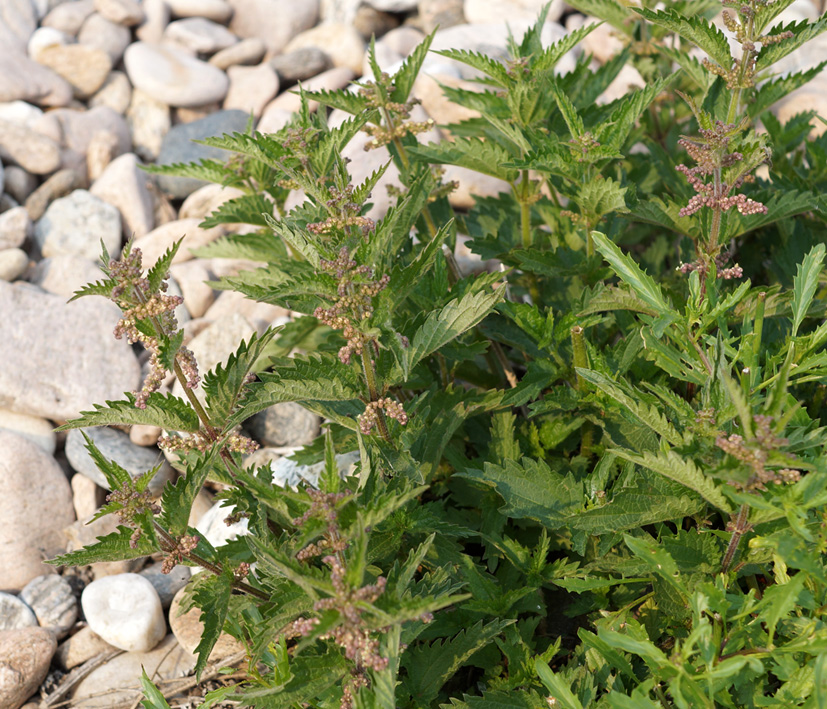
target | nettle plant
[{"x": 579, "y": 484}]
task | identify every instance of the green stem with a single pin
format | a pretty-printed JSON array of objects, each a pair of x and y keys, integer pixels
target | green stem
[
  {"x": 740, "y": 528},
  {"x": 373, "y": 392}
]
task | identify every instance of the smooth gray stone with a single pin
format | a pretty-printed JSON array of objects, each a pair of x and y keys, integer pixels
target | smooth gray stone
[
  {"x": 178, "y": 147},
  {"x": 52, "y": 600}
]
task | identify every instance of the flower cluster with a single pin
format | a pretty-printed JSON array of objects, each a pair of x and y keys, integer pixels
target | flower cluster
[
  {"x": 741, "y": 74},
  {"x": 376, "y": 97},
  {"x": 721, "y": 269},
  {"x": 200, "y": 441},
  {"x": 755, "y": 452},
  {"x": 133, "y": 503},
  {"x": 710, "y": 153},
  {"x": 356, "y": 290},
  {"x": 345, "y": 213},
  {"x": 360, "y": 644},
  {"x": 370, "y": 416},
  {"x": 184, "y": 546},
  {"x": 133, "y": 295}
]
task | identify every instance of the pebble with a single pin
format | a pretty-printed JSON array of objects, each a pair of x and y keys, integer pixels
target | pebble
[
  {"x": 84, "y": 67},
  {"x": 124, "y": 185},
  {"x": 393, "y": 5},
  {"x": 188, "y": 628},
  {"x": 156, "y": 19},
  {"x": 144, "y": 434},
  {"x": 343, "y": 44},
  {"x": 38, "y": 430},
  {"x": 44, "y": 37},
  {"x": 65, "y": 274},
  {"x": 216, "y": 531},
  {"x": 200, "y": 35},
  {"x": 69, "y": 17},
  {"x": 102, "y": 149},
  {"x": 15, "y": 227},
  {"x": 167, "y": 585},
  {"x": 440, "y": 13},
  {"x": 25, "y": 655},
  {"x": 149, "y": 120},
  {"x": 86, "y": 532},
  {"x": 229, "y": 303},
  {"x": 77, "y": 224},
  {"x": 155, "y": 244},
  {"x": 18, "y": 183},
  {"x": 13, "y": 264},
  {"x": 301, "y": 64},
  {"x": 205, "y": 200},
  {"x": 330, "y": 80},
  {"x": 15, "y": 613},
  {"x": 116, "y": 446},
  {"x": 61, "y": 183},
  {"x": 275, "y": 22},
  {"x": 285, "y": 424},
  {"x": 36, "y": 505},
  {"x": 251, "y": 88},
  {"x": 26, "y": 80},
  {"x": 87, "y": 496},
  {"x": 20, "y": 112},
  {"x": 370, "y": 22},
  {"x": 19, "y": 18},
  {"x": 29, "y": 149},
  {"x": 247, "y": 51},
  {"x": 125, "y": 611},
  {"x": 172, "y": 76},
  {"x": 77, "y": 364},
  {"x": 191, "y": 276},
  {"x": 178, "y": 146},
  {"x": 80, "y": 647},
  {"x": 116, "y": 93},
  {"x": 215, "y": 10},
  {"x": 53, "y": 602},
  {"x": 485, "y": 11},
  {"x": 122, "y": 12},
  {"x": 106, "y": 35},
  {"x": 167, "y": 660}
]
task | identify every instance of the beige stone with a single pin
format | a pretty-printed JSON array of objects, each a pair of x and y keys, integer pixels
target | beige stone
[
  {"x": 25, "y": 654},
  {"x": 87, "y": 497},
  {"x": 330, "y": 80},
  {"x": 80, "y": 647},
  {"x": 84, "y": 67},
  {"x": 251, "y": 88},
  {"x": 156, "y": 242},
  {"x": 438, "y": 106},
  {"x": 188, "y": 628},
  {"x": 342, "y": 43}
]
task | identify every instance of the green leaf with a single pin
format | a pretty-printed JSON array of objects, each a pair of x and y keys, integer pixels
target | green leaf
[
  {"x": 163, "y": 410},
  {"x": 483, "y": 156},
  {"x": 112, "y": 547},
  {"x": 207, "y": 170},
  {"x": 403, "y": 80},
  {"x": 773, "y": 91},
  {"x": 802, "y": 32},
  {"x": 633, "y": 507},
  {"x": 312, "y": 379},
  {"x": 495, "y": 71},
  {"x": 178, "y": 497},
  {"x": 103, "y": 288},
  {"x": 160, "y": 269},
  {"x": 805, "y": 284},
  {"x": 620, "y": 124},
  {"x": 780, "y": 600},
  {"x": 671, "y": 465},
  {"x": 431, "y": 666},
  {"x": 657, "y": 559},
  {"x": 115, "y": 475},
  {"x": 568, "y": 111},
  {"x": 259, "y": 246},
  {"x": 212, "y": 596},
  {"x": 247, "y": 209},
  {"x": 632, "y": 402},
  {"x": 154, "y": 699},
  {"x": 225, "y": 385},
  {"x": 613, "y": 298},
  {"x": 297, "y": 240},
  {"x": 600, "y": 197},
  {"x": 698, "y": 30},
  {"x": 531, "y": 490},
  {"x": 614, "y": 12},
  {"x": 555, "y": 51},
  {"x": 558, "y": 687},
  {"x": 449, "y": 322},
  {"x": 631, "y": 274}
]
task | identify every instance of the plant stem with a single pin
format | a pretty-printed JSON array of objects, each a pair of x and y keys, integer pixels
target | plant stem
[
  {"x": 740, "y": 528},
  {"x": 209, "y": 566},
  {"x": 373, "y": 392},
  {"x": 525, "y": 211}
]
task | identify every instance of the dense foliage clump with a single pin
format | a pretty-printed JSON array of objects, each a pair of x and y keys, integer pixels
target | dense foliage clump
[{"x": 593, "y": 478}]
